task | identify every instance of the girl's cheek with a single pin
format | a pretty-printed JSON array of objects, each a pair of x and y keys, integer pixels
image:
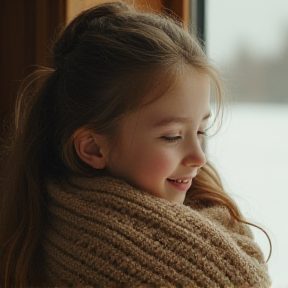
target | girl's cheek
[{"x": 159, "y": 163}]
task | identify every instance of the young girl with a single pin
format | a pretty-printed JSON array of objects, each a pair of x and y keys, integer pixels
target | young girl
[{"x": 104, "y": 182}]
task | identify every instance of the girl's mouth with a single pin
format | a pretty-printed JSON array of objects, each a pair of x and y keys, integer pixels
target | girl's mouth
[
  {"x": 180, "y": 184},
  {"x": 179, "y": 181}
]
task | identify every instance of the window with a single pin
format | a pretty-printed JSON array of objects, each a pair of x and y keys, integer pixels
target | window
[{"x": 249, "y": 41}]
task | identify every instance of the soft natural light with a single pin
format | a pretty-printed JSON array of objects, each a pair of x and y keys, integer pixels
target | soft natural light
[
  {"x": 249, "y": 38},
  {"x": 260, "y": 27},
  {"x": 251, "y": 155}
]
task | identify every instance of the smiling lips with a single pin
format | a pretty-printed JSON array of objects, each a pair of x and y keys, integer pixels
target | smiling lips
[
  {"x": 180, "y": 184},
  {"x": 185, "y": 181}
]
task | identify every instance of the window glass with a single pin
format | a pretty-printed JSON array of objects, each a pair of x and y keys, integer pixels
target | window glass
[{"x": 248, "y": 39}]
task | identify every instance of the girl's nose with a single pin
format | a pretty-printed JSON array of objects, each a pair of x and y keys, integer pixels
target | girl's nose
[{"x": 194, "y": 156}]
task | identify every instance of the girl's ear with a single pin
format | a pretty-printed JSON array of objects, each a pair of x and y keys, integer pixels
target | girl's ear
[{"x": 90, "y": 146}]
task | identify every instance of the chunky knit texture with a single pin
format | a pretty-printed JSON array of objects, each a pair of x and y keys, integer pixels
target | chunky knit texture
[{"x": 102, "y": 232}]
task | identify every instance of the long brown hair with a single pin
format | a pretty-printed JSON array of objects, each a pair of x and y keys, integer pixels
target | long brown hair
[{"x": 103, "y": 63}]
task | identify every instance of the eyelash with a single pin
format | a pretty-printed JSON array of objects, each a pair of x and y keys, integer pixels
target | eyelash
[
  {"x": 172, "y": 138},
  {"x": 202, "y": 133},
  {"x": 176, "y": 138}
]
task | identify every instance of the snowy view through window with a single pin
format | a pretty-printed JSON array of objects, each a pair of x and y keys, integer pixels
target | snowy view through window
[{"x": 248, "y": 39}]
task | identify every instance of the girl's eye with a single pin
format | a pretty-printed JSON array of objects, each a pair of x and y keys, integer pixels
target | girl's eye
[
  {"x": 202, "y": 133},
  {"x": 171, "y": 138}
]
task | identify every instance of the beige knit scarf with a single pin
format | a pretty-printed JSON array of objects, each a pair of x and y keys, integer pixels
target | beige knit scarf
[{"x": 102, "y": 232}]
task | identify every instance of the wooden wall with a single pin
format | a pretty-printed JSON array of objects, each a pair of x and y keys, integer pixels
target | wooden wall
[
  {"x": 27, "y": 29},
  {"x": 179, "y": 7}
]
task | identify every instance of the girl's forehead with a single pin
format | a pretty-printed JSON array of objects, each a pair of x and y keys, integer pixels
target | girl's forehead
[
  {"x": 172, "y": 85},
  {"x": 188, "y": 98}
]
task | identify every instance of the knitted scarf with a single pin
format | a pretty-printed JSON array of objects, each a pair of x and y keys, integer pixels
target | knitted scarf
[{"x": 102, "y": 232}]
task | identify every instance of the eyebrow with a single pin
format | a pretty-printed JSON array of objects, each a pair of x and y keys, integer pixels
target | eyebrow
[{"x": 172, "y": 119}]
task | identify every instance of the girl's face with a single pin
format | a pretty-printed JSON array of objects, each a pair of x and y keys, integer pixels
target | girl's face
[{"x": 159, "y": 147}]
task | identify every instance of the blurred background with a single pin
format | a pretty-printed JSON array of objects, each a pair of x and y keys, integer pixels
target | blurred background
[{"x": 248, "y": 41}]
